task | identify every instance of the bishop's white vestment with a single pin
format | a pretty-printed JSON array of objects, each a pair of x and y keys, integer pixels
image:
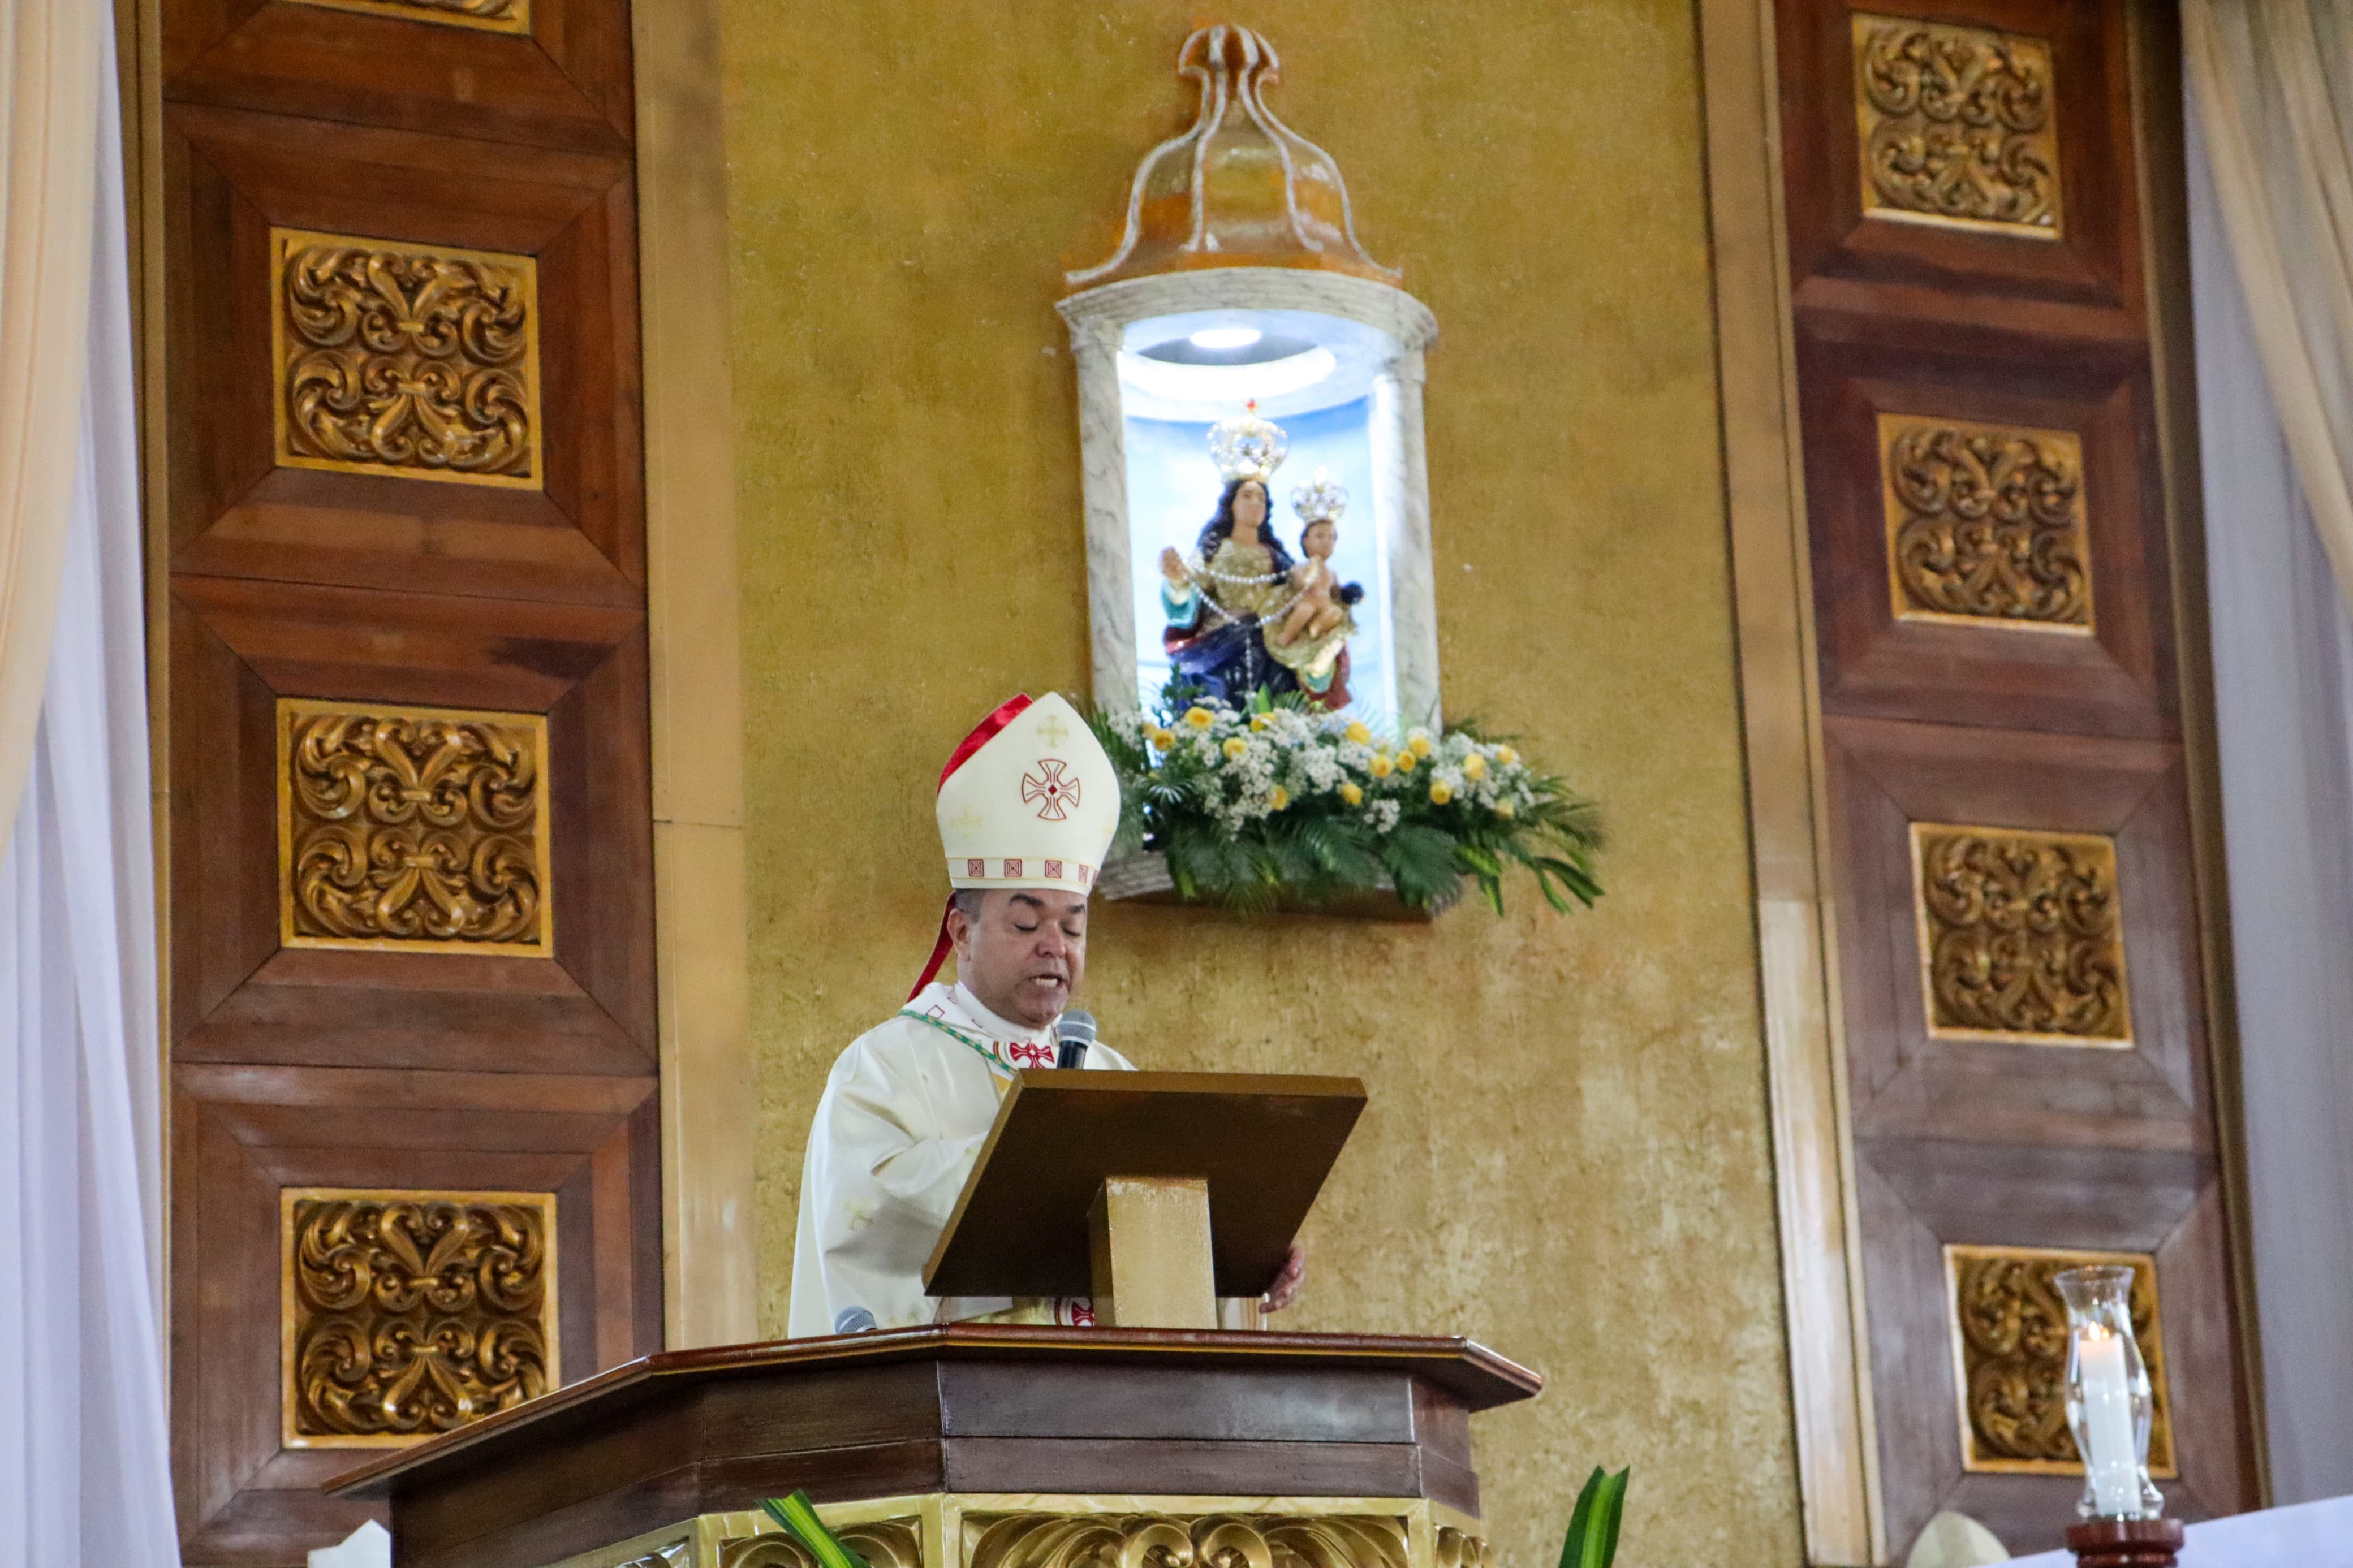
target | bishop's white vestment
[{"x": 902, "y": 1120}]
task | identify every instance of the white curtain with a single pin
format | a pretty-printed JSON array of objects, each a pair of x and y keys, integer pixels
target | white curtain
[
  {"x": 84, "y": 1475},
  {"x": 2283, "y": 646},
  {"x": 2275, "y": 79}
]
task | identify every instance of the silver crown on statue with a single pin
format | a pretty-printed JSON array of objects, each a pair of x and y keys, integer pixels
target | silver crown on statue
[
  {"x": 1321, "y": 501},
  {"x": 1247, "y": 447}
]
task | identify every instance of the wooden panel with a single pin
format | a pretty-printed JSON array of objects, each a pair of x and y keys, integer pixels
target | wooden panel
[
  {"x": 1886, "y": 776},
  {"x": 358, "y": 147},
  {"x": 2119, "y": 679},
  {"x": 563, "y": 84},
  {"x": 1994, "y": 605},
  {"x": 2095, "y": 260},
  {"x": 240, "y": 1138},
  {"x": 238, "y": 512},
  {"x": 240, "y": 996},
  {"x": 986, "y": 1400}
]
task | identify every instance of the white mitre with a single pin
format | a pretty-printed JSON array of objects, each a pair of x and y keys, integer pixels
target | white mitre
[{"x": 1030, "y": 800}]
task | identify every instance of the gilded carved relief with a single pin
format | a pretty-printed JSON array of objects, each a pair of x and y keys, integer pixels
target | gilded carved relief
[
  {"x": 2008, "y": 1330},
  {"x": 1459, "y": 1549},
  {"x": 1001, "y": 1531},
  {"x": 417, "y": 361},
  {"x": 1958, "y": 126},
  {"x": 2020, "y": 936},
  {"x": 406, "y": 1313},
  {"x": 1216, "y": 1540},
  {"x": 885, "y": 1543},
  {"x": 424, "y": 829},
  {"x": 489, "y": 15},
  {"x": 1984, "y": 524}
]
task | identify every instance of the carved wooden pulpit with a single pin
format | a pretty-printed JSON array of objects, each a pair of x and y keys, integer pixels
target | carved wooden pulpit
[
  {"x": 975, "y": 1446},
  {"x": 1004, "y": 1445}
]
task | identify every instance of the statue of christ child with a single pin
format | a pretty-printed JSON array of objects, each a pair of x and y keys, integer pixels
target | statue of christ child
[
  {"x": 1315, "y": 611},
  {"x": 1311, "y": 638}
]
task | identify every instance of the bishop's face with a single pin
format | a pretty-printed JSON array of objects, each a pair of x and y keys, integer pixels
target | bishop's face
[{"x": 1026, "y": 954}]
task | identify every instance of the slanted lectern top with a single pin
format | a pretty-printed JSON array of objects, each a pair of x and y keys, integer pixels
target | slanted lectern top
[{"x": 1169, "y": 1172}]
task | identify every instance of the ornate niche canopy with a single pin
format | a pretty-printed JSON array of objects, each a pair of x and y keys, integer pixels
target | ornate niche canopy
[{"x": 1238, "y": 297}]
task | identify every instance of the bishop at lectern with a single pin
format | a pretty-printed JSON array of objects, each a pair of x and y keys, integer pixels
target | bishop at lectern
[{"x": 1027, "y": 807}]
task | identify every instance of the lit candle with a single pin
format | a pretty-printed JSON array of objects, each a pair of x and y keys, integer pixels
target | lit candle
[{"x": 2111, "y": 1455}]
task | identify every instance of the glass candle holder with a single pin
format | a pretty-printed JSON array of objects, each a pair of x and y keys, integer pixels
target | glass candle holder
[{"x": 2108, "y": 1398}]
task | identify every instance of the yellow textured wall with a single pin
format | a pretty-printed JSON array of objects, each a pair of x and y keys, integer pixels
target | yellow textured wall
[{"x": 1567, "y": 1152}]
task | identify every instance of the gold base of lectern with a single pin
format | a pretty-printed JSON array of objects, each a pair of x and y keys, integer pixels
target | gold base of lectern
[{"x": 1007, "y": 1529}]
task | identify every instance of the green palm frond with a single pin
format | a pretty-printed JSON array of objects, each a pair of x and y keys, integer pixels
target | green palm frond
[
  {"x": 1592, "y": 1540},
  {"x": 797, "y": 1514}
]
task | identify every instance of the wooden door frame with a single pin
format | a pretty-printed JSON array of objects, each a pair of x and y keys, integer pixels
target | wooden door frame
[{"x": 1826, "y": 1316}]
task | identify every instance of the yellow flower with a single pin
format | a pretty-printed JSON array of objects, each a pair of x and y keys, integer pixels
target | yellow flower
[
  {"x": 1350, "y": 792},
  {"x": 1199, "y": 718},
  {"x": 1379, "y": 767},
  {"x": 1505, "y": 755},
  {"x": 1418, "y": 744},
  {"x": 1163, "y": 738},
  {"x": 1281, "y": 798},
  {"x": 1358, "y": 733},
  {"x": 1506, "y": 810},
  {"x": 1260, "y": 721},
  {"x": 1439, "y": 793},
  {"x": 1236, "y": 746},
  {"x": 1475, "y": 766},
  {"x": 1407, "y": 761}
]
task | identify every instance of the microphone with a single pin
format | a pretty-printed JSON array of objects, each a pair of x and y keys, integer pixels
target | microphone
[{"x": 1076, "y": 1031}]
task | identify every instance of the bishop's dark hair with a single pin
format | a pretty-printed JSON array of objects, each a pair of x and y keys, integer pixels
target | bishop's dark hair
[{"x": 1220, "y": 528}]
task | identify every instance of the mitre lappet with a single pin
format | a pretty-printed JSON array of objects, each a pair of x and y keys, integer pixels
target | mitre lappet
[{"x": 1029, "y": 799}]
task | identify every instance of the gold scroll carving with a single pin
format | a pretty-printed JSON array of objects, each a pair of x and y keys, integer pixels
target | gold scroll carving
[
  {"x": 489, "y": 15},
  {"x": 885, "y": 1543},
  {"x": 1984, "y": 524},
  {"x": 420, "y": 363},
  {"x": 1958, "y": 126},
  {"x": 2020, "y": 936},
  {"x": 407, "y": 1313},
  {"x": 2009, "y": 1331},
  {"x": 422, "y": 829},
  {"x": 1214, "y": 1541},
  {"x": 1459, "y": 1549}
]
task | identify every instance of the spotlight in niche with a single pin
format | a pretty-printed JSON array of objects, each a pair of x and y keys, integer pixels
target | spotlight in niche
[
  {"x": 1218, "y": 339},
  {"x": 1226, "y": 382}
]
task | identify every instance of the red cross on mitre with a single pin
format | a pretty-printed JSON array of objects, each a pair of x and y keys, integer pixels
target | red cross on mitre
[{"x": 1056, "y": 793}]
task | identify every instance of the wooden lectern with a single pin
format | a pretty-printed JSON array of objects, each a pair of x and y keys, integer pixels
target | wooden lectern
[
  {"x": 1156, "y": 1192},
  {"x": 1006, "y": 1445}
]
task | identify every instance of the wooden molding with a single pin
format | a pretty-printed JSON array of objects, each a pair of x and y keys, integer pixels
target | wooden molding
[{"x": 702, "y": 958}]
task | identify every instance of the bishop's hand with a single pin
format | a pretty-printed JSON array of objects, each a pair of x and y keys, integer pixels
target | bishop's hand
[{"x": 1285, "y": 1289}]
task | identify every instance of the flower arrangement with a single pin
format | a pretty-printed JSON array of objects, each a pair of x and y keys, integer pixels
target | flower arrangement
[{"x": 1280, "y": 797}]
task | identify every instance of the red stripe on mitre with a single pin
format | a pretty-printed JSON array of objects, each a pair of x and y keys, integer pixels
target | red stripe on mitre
[{"x": 986, "y": 731}]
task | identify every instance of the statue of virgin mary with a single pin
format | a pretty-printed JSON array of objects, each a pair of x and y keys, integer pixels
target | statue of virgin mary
[{"x": 1237, "y": 580}]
